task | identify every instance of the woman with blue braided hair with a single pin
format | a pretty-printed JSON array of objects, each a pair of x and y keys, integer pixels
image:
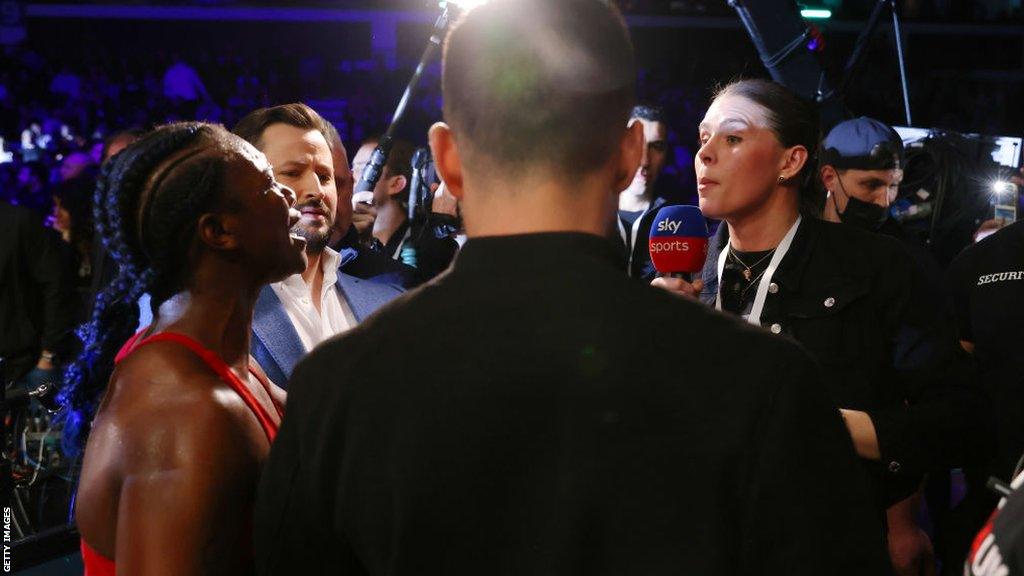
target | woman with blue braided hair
[{"x": 180, "y": 420}]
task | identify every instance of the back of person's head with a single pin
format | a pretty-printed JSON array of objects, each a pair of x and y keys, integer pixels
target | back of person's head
[
  {"x": 342, "y": 171},
  {"x": 76, "y": 164},
  {"x": 297, "y": 114},
  {"x": 794, "y": 121},
  {"x": 399, "y": 162},
  {"x": 650, "y": 113},
  {"x": 538, "y": 85},
  {"x": 120, "y": 140},
  {"x": 147, "y": 205},
  {"x": 76, "y": 197}
]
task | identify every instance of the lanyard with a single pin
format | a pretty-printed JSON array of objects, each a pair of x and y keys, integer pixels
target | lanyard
[
  {"x": 397, "y": 255},
  {"x": 766, "y": 279}
]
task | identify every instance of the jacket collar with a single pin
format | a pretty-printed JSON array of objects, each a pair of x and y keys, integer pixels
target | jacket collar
[{"x": 363, "y": 296}]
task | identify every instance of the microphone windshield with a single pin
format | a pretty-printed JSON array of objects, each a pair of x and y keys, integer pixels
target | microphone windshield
[{"x": 679, "y": 240}]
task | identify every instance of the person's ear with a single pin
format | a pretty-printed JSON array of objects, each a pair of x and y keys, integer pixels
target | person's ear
[
  {"x": 793, "y": 160},
  {"x": 218, "y": 231},
  {"x": 447, "y": 161},
  {"x": 631, "y": 151},
  {"x": 828, "y": 176},
  {"x": 396, "y": 185}
]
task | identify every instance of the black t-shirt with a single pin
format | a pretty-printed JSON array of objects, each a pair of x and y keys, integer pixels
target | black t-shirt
[
  {"x": 739, "y": 288},
  {"x": 987, "y": 283}
]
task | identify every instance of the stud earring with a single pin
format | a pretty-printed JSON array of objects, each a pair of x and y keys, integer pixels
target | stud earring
[{"x": 781, "y": 178}]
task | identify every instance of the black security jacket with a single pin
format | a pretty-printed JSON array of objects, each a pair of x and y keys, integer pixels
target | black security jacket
[
  {"x": 534, "y": 411},
  {"x": 859, "y": 303}
]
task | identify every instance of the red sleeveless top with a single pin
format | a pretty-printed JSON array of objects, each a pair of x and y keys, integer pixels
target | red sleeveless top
[{"x": 95, "y": 563}]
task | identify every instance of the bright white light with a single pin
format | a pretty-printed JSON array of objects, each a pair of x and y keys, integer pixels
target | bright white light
[
  {"x": 1000, "y": 187},
  {"x": 463, "y": 5},
  {"x": 816, "y": 14}
]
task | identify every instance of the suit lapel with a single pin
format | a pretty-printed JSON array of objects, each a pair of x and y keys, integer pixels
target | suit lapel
[
  {"x": 273, "y": 327},
  {"x": 361, "y": 296}
]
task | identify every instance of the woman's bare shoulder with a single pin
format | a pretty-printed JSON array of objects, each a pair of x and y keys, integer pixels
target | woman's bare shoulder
[{"x": 165, "y": 401}]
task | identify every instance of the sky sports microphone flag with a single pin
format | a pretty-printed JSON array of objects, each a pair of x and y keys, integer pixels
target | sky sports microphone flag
[{"x": 679, "y": 240}]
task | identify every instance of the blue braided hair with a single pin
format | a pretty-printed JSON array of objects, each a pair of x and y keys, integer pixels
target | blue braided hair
[{"x": 147, "y": 203}]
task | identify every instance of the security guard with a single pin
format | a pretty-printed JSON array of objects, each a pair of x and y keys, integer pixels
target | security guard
[
  {"x": 856, "y": 300},
  {"x": 987, "y": 282}
]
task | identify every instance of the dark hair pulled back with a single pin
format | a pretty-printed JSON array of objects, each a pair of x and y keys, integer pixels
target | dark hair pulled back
[{"x": 795, "y": 122}]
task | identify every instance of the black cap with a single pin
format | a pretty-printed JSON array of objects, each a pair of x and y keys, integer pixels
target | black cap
[{"x": 862, "y": 144}]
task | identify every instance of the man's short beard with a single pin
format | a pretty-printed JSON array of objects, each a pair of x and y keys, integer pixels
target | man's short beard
[{"x": 316, "y": 240}]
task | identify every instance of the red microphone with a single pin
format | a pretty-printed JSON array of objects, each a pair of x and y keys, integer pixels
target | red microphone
[{"x": 679, "y": 240}]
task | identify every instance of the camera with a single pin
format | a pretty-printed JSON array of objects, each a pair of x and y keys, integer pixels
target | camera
[{"x": 424, "y": 183}]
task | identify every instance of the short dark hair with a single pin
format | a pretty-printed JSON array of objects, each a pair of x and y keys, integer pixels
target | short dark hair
[
  {"x": 76, "y": 196},
  {"x": 540, "y": 83},
  {"x": 297, "y": 114},
  {"x": 795, "y": 122},
  {"x": 399, "y": 161},
  {"x": 650, "y": 113}
]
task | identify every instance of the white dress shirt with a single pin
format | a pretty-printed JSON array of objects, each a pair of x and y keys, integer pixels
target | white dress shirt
[{"x": 335, "y": 315}]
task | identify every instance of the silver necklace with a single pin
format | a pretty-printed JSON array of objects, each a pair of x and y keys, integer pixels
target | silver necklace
[
  {"x": 743, "y": 293},
  {"x": 748, "y": 270}
]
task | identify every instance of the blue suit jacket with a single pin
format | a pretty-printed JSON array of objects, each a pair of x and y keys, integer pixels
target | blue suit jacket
[{"x": 275, "y": 343}]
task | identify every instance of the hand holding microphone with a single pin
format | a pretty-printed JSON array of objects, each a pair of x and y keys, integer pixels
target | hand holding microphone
[{"x": 679, "y": 245}]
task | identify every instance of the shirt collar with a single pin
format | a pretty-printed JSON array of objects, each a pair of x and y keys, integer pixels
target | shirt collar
[
  {"x": 329, "y": 262},
  {"x": 545, "y": 250}
]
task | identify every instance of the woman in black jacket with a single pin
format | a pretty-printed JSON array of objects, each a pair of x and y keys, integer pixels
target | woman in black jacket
[{"x": 856, "y": 300}]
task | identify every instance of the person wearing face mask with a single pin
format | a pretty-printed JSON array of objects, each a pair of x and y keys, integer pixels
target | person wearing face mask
[
  {"x": 856, "y": 300},
  {"x": 861, "y": 170}
]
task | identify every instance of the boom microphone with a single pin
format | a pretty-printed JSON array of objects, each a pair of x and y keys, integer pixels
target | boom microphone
[{"x": 679, "y": 240}]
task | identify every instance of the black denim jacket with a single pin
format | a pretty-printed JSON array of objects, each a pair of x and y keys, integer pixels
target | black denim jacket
[{"x": 859, "y": 303}]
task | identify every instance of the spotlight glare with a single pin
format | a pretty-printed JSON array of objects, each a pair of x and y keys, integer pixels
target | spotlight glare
[
  {"x": 1000, "y": 187},
  {"x": 464, "y": 5}
]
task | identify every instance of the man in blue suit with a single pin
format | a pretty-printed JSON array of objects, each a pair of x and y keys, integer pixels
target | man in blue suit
[{"x": 295, "y": 315}]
